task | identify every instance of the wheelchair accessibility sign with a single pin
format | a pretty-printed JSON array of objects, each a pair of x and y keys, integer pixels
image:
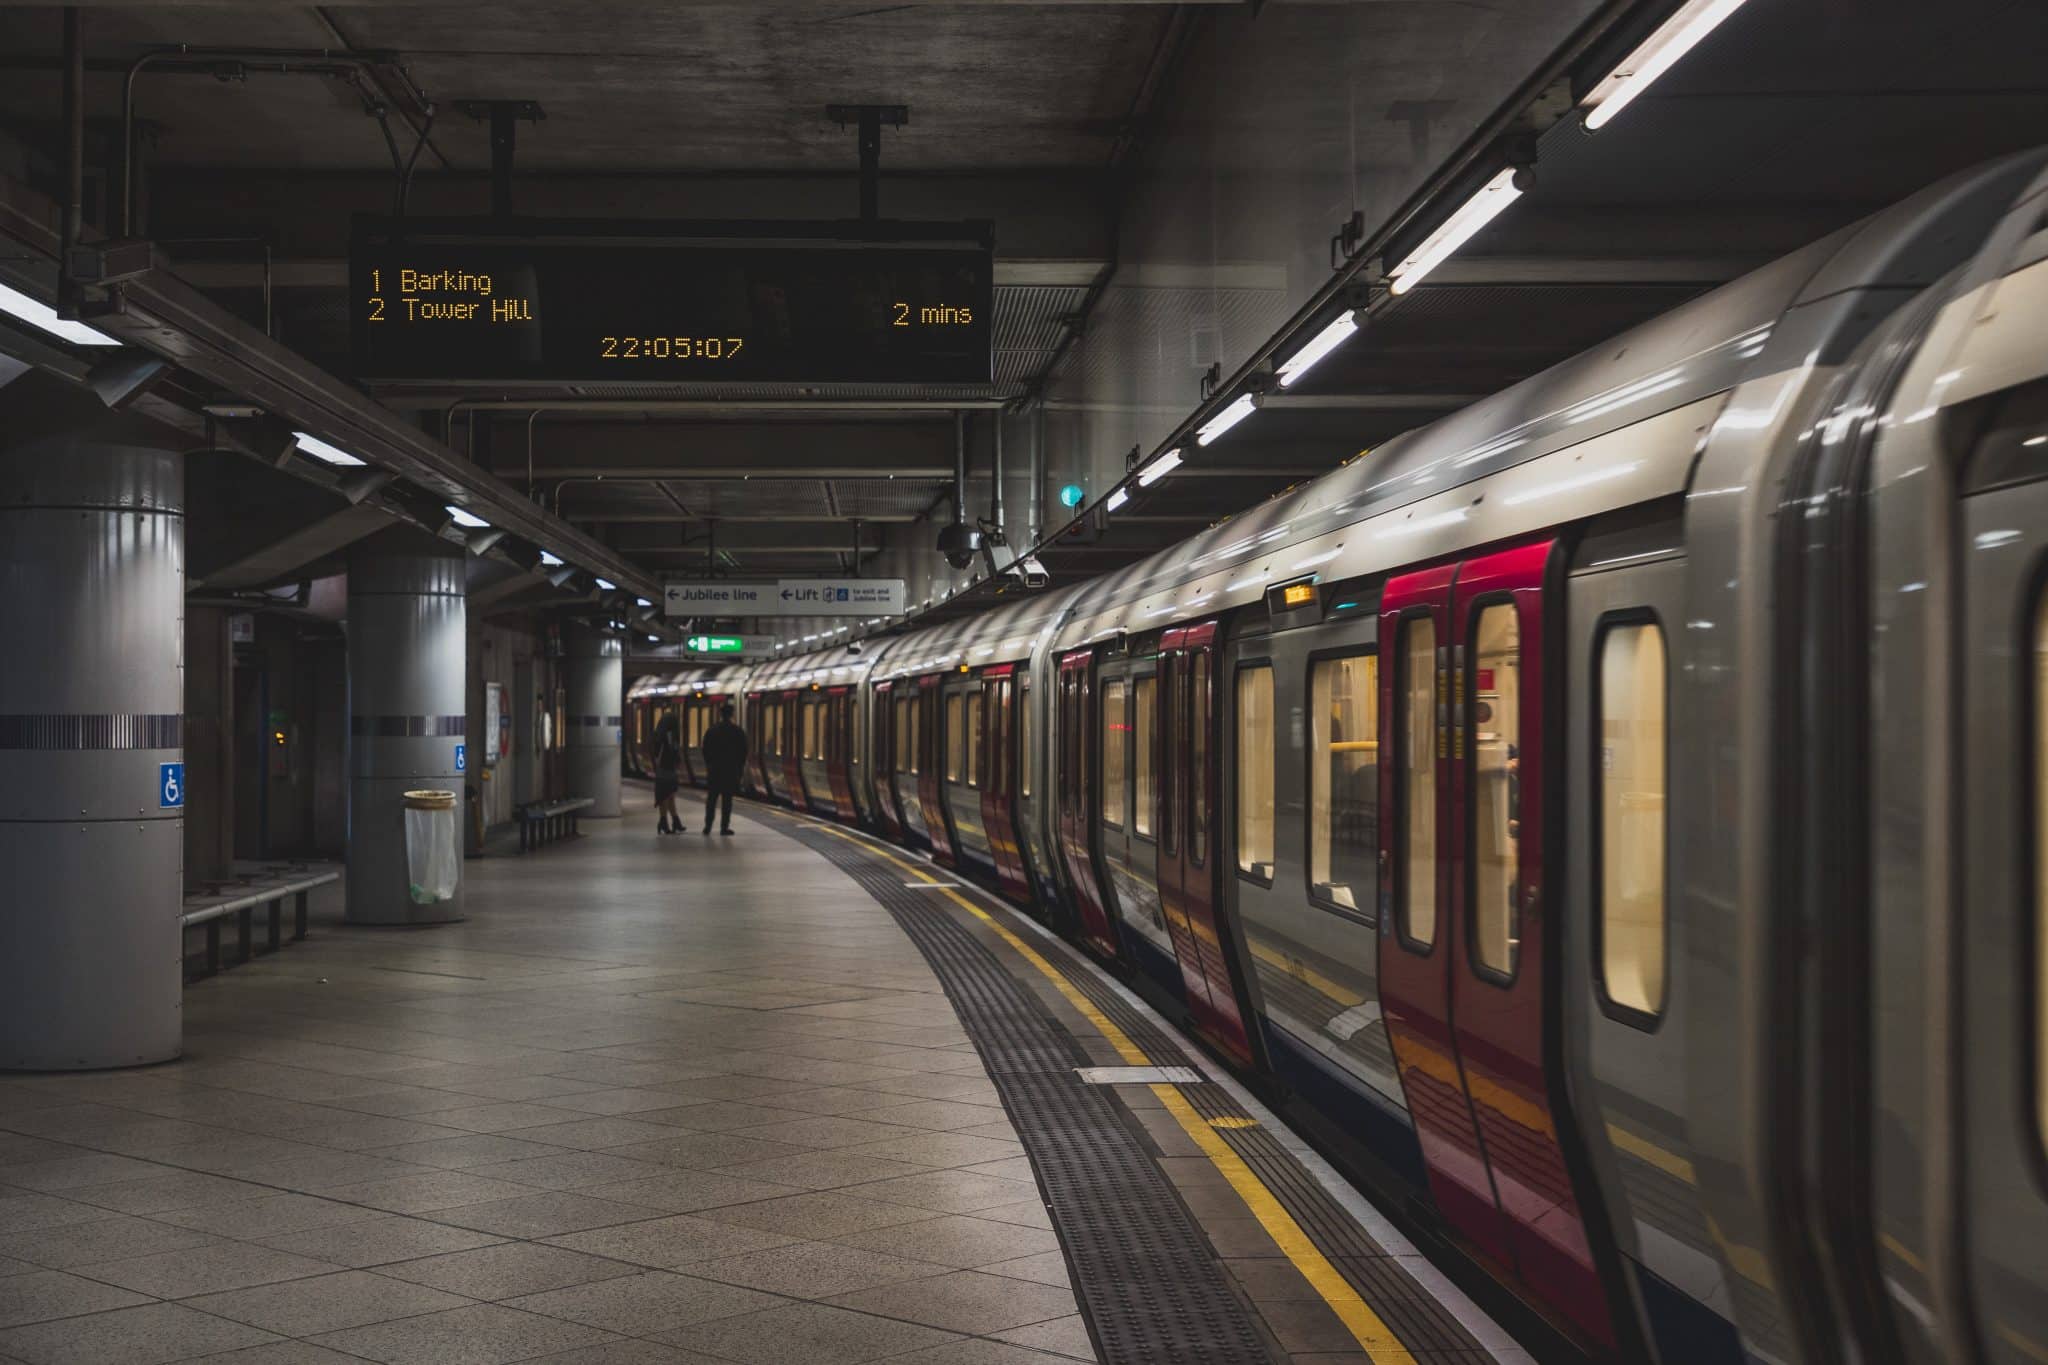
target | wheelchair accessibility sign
[{"x": 170, "y": 785}]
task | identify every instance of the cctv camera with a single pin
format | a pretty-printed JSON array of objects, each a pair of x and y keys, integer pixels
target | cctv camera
[
  {"x": 1027, "y": 572},
  {"x": 959, "y": 544},
  {"x": 855, "y": 646}
]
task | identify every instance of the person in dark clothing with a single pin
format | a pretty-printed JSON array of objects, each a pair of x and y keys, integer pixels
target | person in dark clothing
[
  {"x": 668, "y": 758},
  {"x": 725, "y": 754}
]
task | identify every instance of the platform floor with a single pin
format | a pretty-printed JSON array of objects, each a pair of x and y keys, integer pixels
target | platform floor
[{"x": 659, "y": 1100}]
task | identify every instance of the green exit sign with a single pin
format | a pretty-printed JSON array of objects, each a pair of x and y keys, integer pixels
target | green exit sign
[{"x": 716, "y": 644}]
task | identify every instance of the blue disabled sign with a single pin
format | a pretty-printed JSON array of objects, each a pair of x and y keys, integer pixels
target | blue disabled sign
[
  {"x": 462, "y": 758},
  {"x": 170, "y": 785}
]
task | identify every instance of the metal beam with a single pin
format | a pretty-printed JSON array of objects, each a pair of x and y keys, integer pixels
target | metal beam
[{"x": 298, "y": 548}]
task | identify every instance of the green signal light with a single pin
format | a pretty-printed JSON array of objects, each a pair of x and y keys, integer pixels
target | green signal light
[{"x": 1071, "y": 495}]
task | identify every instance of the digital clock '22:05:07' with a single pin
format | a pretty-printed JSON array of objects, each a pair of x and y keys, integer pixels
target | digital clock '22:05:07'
[{"x": 670, "y": 348}]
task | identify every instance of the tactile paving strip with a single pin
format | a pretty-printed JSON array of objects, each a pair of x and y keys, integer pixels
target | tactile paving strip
[
  {"x": 1149, "y": 1286},
  {"x": 1425, "y": 1326}
]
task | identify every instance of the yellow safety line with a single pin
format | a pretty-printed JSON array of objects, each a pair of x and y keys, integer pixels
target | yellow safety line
[{"x": 1365, "y": 1325}]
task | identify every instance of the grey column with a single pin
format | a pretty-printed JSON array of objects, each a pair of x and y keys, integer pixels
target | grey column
[
  {"x": 406, "y": 660},
  {"x": 593, "y": 674},
  {"x": 92, "y": 595}
]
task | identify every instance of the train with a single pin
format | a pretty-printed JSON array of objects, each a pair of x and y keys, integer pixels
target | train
[{"x": 1613, "y": 819}]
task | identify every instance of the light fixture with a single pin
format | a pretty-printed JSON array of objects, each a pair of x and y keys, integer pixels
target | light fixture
[
  {"x": 1117, "y": 499},
  {"x": 1461, "y": 227},
  {"x": 605, "y": 584},
  {"x": 44, "y": 318},
  {"x": 1654, "y": 56},
  {"x": 2032, "y": 441},
  {"x": 463, "y": 517},
  {"x": 643, "y": 602},
  {"x": 321, "y": 450},
  {"x": 1072, "y": 494},
  {"x": 1159, "y": 468},
  {"x": 550, "y": 559},
  {"x": 1329, "y": 339},
  {"x": 1226, "y": 419}
]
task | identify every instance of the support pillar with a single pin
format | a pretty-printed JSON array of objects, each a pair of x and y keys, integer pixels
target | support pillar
[
  {"x": 407, "y": 662},
  {"x": 92, "y": 597},
  {"x": 593, "y": 672}
]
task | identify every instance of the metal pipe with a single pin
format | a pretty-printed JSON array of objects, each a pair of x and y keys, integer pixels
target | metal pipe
[
  {"x": 959, "y": 469},
  {"x": 74, "y": 152},
  {"x": 284, "y": 61},
  {"x": 724, "y": 406},
  {"x": 1037, "y": 504},
  {"x": 995, "y": 502}
]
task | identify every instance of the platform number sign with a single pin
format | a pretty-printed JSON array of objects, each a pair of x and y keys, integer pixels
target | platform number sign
[
  {"x": 170, "y": 786},
  {"x": 462, "y": 758}
]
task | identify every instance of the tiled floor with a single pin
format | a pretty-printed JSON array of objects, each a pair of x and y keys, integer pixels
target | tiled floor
[{"x": 668, "y": 1100}]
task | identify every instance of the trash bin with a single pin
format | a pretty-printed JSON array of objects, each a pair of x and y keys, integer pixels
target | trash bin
[{"x": 433, "y": 850}]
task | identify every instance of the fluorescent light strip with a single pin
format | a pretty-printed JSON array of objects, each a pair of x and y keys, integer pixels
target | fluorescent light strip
[
  {"x": 1326, "y": 341},
  {"x": 1226, "y": 419},
  {"x": 551, "y": 559},
  {"x": 1461, "y": 227},
  {"x": 464, "y": 517},
  {"x": 321, "y": 450},
  {"x": 1159, "y": 468},
  {"x": 1117, "y": 499},
  {"x": 1656, "y": 55},
  {"x": 606, "y": 584},
  {"x": 44, "y": 318}
]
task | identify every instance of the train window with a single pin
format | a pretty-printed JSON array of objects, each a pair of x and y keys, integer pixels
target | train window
[
  {"x": 1147, "y": 716},
  {"x": 1027, "y": 764},
  {"x": 1116, "y": 728},
  {"x": 1629, "y": 834},
  {"x": 2040, "y": 836},
  {"x": 1494, "y": 701},
  {"x": 1417, "y": 721},
  {"x": 1344, "y": 781},
  {"x": 1255, "y": 770},
  {"x": 971, "y": 762},
  {"x": 955, "y": 737},
  {"x": 855, "y": 719},
  {"x": 1198, "y": 759},
  {"x": 915, "y": 710}
]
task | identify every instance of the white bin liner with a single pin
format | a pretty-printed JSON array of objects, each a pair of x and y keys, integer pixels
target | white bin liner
[{"x": 433, "y": 855}]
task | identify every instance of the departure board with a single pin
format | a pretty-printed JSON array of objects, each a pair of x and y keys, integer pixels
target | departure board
[{"x": 577, "y": 302}]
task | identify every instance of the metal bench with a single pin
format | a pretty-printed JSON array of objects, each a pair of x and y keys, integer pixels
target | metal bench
[
  {"x": 543, "y": 821},
  {"x": 269, "y": 891}
]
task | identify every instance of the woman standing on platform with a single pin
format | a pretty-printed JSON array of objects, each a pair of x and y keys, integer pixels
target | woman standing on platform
[{"x": 668, "y": 757}]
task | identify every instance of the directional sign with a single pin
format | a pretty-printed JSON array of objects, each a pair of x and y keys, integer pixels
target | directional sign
[
  {"x": 729, "y": 646},
  {"x": 170, "y": 785},
  {"x": 718, "y": 599},
  {"x": 839, "y": 597},
  {"x": 787, "y": 597}
]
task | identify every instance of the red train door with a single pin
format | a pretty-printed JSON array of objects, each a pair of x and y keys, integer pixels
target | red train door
[
  {"x": 792, "y": 729},
  {"x": 1075, "y": 797},
  {"x": 999, "y": 778},
  {"x": 1466, "y": 979},
  {"x": 1507, "y": 1017},
  {"x": 761, "y": 714},
  {"x": 1418, "y": 852},
  {"x": 882, "y": 754},
  {"x": 838, "y": 722},
  {"x": 931, "y": 771},
  {"x": 1185, "y": 748}
]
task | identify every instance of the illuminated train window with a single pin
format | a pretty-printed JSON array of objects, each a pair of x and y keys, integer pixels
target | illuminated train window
[
  {"x": 956, "y": 738},
  {"x": 1147, "y": 791},
  {"x": 1416, "y": 850},
  {"x": 1116, "y": 727},
  {"x": 971, "y": 761},
  {"x": 1629, "y": 776},
  {"x": 1344, "y": 782},
  {"x": 1027, "y": 757},
  {"x": 1255, "y": 797},
  {"x": 2040, "y": 837},
  {"x": 1495, "y": 704}
]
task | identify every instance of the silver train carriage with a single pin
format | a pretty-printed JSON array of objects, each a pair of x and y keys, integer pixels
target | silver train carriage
[{"x": 1614, "y": 813}]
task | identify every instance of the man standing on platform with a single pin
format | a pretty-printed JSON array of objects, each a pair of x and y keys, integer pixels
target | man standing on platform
[{"x": 725, "y": 754}]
